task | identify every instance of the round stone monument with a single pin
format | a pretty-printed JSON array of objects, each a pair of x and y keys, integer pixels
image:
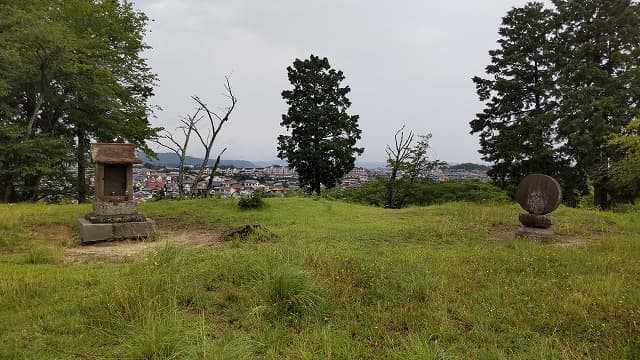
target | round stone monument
[{"x": 539, "y": 195}]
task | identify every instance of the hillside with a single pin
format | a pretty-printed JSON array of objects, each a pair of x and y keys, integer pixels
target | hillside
[
  {"x": 321, "y": 279},
  {"x": 469, "y": 167},
  {"x": 171, "y": 160}
]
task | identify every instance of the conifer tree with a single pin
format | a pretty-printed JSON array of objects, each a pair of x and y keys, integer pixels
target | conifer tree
[
  {"x": 321, "y": 144},
  {"x": 563, "y": 80},
  {"x": 599, "y": 83},
  {"x": 515, "y": 128}
]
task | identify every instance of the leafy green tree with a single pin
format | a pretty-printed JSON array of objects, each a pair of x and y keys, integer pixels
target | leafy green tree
[
  {"x": 625, "y": 169},
  {"x": 26, "y": 163},
  {"x": 72, "y": 72},
  {"x": 321, "y": 146}
]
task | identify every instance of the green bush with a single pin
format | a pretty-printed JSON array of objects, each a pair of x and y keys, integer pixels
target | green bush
[
  {"x": 426, "y": 192},
  {"x": 253, "y": 201}
]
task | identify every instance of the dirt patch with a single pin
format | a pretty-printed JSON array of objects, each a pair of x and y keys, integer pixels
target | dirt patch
[
  {"x": 53, "y": 232},
  {"x": 118, "y": 250},
  {"x": 500, "y": 236},
  {"x": 569, "y": 240}
]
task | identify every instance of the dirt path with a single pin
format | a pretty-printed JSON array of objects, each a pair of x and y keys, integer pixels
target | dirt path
[
  {"x": 505, "y": 234},
  {"x": 60, "y": 235}
]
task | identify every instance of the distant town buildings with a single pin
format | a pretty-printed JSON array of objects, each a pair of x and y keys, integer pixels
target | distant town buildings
[{"x": 277, "y": 180}]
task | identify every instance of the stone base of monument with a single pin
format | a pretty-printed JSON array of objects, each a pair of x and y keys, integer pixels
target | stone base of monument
[
  {"x": 116, "y": 219},
  {"x": 109, "y": 219},
  {"x": 538, "y": 234},
  {"x": 92, "y": 233},
  {"x": 536, "y": 221}
]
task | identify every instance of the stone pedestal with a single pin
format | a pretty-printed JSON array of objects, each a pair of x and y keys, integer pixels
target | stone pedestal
[
  {"x": 91, "y": 233},
  {"x": 105, "y": 212},
  {"x": 542, "y": 235},
  {"x": 536, "y": 227},
  {"x": 114, "y": 220}
]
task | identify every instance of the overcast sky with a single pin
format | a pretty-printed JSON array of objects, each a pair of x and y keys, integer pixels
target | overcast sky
[{"x": 407, "y": 63}]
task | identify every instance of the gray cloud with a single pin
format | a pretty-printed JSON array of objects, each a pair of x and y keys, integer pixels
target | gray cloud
[{"x": 407, "y": 62}]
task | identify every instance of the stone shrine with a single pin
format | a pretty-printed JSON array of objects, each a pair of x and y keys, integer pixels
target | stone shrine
[
  {"x": 539, "y": 195},
  {"x": 115, "y": 212}
]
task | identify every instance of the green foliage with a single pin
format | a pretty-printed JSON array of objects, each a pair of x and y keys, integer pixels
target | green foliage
[
  {"x": 562, "y": 81},
  {"x": 321, "y": 146},
  {"x": 469, "y": 167},
  {"x": 71, "y": 71},
  {"x": 255, "y": 200},
  {"x": 30, "y": 166},
  {"x": 425, "y": 192},
  {"x": 410, "y": 160},
  {"x": 625, "y": 170}
]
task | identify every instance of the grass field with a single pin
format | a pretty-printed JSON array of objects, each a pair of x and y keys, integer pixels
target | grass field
[{"x": 322, "y": 279}]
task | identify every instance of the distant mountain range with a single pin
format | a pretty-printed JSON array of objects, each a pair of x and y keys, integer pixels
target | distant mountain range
[{"x": 171, "y": 160}]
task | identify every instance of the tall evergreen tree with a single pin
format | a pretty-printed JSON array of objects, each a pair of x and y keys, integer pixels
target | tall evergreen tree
[
  {"x": 563, "y": 80},
  {"x": 321, "y": 146},
  {"x": 599, "y": 82},
  {"x": 516, "y": 127}
]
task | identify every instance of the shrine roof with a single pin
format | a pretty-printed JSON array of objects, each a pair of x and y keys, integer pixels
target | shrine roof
[{"x": 114, "y": 153}]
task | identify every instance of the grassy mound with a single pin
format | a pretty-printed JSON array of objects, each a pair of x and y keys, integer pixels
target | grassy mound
[{"x": 339, "y": 281}]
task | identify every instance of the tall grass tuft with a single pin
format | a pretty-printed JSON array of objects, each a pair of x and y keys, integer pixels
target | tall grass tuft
[
  {"x": 286, "y": 292},
  {"x": 44, "y": 255},
  {"x": 161, "y": 283},
  {"x": 145, "y": 310},
  {"x": 160, "y": 335}
]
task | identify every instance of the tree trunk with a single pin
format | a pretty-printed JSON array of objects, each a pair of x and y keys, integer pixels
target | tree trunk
[
  {"x": 32, "y": 187},
  {"x": 388, "y": 203},
  {"x": 316, "y": 185},
  {"x": 213, "y": 172},
  {"x": 82, "y": 186},
  {"x": 6, "y": 196},
  {"x": 600, "y": 196},
  {"x": 181, "y": 174}
]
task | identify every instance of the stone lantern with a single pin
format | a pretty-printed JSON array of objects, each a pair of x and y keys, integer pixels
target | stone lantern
[{"x": 115, "y": 212}]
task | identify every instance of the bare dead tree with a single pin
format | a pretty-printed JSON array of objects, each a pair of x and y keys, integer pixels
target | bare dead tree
[
  {"x": 413, "y": 160},
  {"x": 418, "y": 163},
  {"x": 397, "y": 157},
  {"x": 189, "y": 125},
  {"x": 216, "y": 121}
]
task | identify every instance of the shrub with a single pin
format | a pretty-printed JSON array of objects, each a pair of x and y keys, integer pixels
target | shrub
[
  {"x": 427, "y": 192},
  {"x": 253, "y": 201}
]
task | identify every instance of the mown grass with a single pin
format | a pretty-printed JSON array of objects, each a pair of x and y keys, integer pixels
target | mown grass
[{"x": 337, "y": 281}]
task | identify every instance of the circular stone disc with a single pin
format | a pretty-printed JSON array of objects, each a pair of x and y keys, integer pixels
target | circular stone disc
[{"x": 539, "y": 194}]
